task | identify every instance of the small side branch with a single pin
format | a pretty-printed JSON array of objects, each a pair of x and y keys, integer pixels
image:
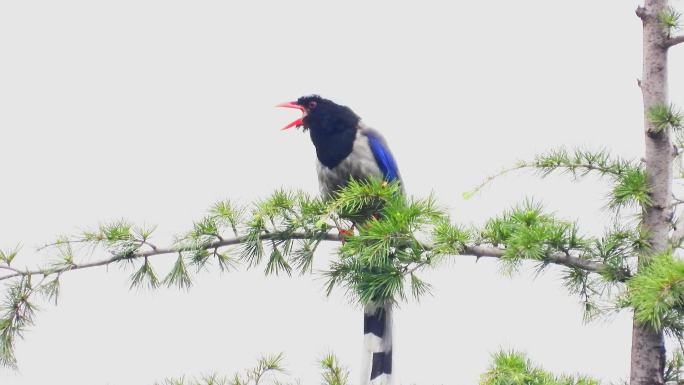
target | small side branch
[
  {"x": 641, "y": 12},
  {"x": 674, "y": 41}
]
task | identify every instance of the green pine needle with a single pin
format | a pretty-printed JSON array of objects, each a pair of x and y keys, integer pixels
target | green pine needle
[
  {"x": 657, "y": 294},
  {"x": 670, "y": 19},
  {"x": 419, "y": 288},
  {"x": 227, "y": 214},
  {"x": 277, "y": 264},
  {"x": 514, "y": 368},
  {"x": 8, "y": 256},
  {"x": 527, "y": 232},
  {"x": 145, "y": 277},
  {"x": 178, "y": 276},
  {"x": 664, "y": 117},
  {"x": 333, "y": 372}
]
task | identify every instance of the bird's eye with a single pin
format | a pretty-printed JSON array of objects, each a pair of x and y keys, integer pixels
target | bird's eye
[{"x": 312, "y": 104}]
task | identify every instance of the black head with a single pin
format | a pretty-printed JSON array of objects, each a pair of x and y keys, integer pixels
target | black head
[
  {"x": 322, "y": 115},
  {"x": 332, "y": 126},
  {"x": 326, "y": 116}
]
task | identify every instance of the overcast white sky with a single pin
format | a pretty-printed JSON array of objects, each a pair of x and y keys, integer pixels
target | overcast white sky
[{"x": 153, "y": 110}]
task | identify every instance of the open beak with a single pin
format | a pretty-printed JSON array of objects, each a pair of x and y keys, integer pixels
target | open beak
[{"x": 297, "y": 122}]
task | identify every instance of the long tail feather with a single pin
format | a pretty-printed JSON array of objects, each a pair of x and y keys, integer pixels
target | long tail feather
[{"x": 377, "y": 345}]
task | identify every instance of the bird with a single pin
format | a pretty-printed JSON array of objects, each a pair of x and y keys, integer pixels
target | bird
[{"x": 347, "y": 149}]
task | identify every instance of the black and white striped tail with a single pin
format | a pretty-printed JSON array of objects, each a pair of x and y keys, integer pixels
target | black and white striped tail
[{"x": 376, "y": 367}]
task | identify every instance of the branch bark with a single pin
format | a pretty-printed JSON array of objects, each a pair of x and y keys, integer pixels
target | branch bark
[
  {"x": 674, "y": 41},
  {"x": 562, "y": 259}
]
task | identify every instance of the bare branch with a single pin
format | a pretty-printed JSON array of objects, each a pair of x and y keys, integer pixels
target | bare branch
[
  {"x": 674, "y": 41},
  {"x": 556, "y": 258},
  {"x": 641, "y": 12}
]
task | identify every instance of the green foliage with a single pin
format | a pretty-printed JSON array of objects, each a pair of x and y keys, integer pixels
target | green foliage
[
  {"x": 360, "y": 200},
  {"x": 514, "y": 368},
  {"x": 507, "y": 368},
  {"x": 674, "y": 367},
  {"x": 664, "y": 117},
  {"x": 50, "y": 289},
  {"x": 390, "y": 239},
  {"x": 145, "y": 276},
  {"x": 333, "y": 372},
  {"x": 226, "y": 213},
  {"x": 657, "y": 294},
  {"x": 8, "y": 256},
  {"x": 616, "y": 249},
  {"x": 526, "y": 232},
  {"x": 449, "y": 239},
  {"x": 212, "y": 379},
  {"x": 17, "y": 314},
  {"x": 178, "y": 276},
  {"x": 628, "y": 178},
  {"x": 630, "y": 190},
  {"x": 579, "y": 163},
  {"x": 379, "y": 261},
  {"x": 670, "y": 19},
  {"x": 280, "y": 216},
  {"x": 276, "y": 262}
]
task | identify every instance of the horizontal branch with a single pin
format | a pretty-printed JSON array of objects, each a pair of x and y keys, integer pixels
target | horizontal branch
[
  {"x": 674, "y": 41},
  {"x": 556, "y": 258},
  {"x": 475, "y": 250},
  {"x": 170, "y": 250}
]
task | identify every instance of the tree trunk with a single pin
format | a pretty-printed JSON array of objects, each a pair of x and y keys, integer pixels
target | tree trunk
[{"x": 648, "y": 347}]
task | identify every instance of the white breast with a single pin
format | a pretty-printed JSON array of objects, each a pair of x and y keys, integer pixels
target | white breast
[{"x": 359, "y": 164}]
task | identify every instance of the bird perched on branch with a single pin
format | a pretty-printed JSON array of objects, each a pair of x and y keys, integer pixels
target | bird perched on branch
[{"x": 347, "y": 149}]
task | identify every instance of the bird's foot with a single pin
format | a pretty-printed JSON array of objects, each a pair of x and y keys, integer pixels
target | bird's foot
[{"x": 345, "y": 233}]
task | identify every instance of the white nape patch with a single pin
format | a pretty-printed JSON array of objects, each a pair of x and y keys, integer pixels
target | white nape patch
[{"x": 359, "y": 164}]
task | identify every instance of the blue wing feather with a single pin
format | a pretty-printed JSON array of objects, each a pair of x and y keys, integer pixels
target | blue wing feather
[{"x": 382, "y": 155}]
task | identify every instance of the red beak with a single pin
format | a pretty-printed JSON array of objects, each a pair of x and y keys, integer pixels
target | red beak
[{"x": 297, "y": 122}]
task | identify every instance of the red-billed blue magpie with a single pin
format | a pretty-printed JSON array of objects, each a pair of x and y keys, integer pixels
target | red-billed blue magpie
[{"x": 346, "y": 149}]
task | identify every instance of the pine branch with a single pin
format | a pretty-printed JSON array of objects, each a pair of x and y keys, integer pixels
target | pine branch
[
  {"x": 514, "y": 368},
  {"x": 468, "y": 250},
  {"x": 379, "y": 261},
  {"x": 629, "y": 180},
  {"x": 333, "y": 372},
  {"x": 169, "y": 250}
]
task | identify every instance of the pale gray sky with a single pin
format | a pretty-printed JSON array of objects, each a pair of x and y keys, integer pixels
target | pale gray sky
[{"x": 153, "y": 110}]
